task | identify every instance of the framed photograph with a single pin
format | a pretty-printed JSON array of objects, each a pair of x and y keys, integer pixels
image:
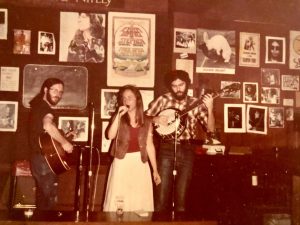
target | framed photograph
[
  {"x": 75, "y": 79},
  {"x": 230, "y": 94},
  {"x": 234, "y": 118},
  {"x": 276, "y": 117},
  {"x": 3, "y": 23},
  {"x": 215, "y": 51},
  {"x": 249, "y": 49},
  {"x": 105, "y": 143},
  {"x": 270, "y": 77},
  {"x": 9, "y": 78},
  {"x": 257, "y": 119},
  {"x": 290, "y": 83},
  {"x": 270, "y": 95},
  {"x": 131, "y": 49},
  {"x": 46, "y": 43},
  {"x": 75, "y": 128},
  {"x": 109, "y": 102},
  {"x": 82, "y": 37},
  {"x": 250, "y": 92},
  {"x": 275, "y": 50},
  {"x": 8, "y": 116},
  {"x": 22, "y": 40},
  {"x": 289, "y": 114},
  {"x": 288, "y": 102},
  {"x": 184, "y": 40},
  {"x": 294, "y": 61}
]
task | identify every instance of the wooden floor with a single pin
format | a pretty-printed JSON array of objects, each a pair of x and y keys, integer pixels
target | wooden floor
[{"x": 18, "y": 217}]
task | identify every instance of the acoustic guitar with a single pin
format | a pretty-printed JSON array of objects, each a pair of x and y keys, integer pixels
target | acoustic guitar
[
  {"x": 54, "y": 154},
  {"x": 177, "y": 119}
]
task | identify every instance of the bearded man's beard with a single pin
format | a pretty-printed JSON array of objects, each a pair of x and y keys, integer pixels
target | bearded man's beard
[
  {"x": 50, "y": 100},
  {"x": 179, "y": 95}
]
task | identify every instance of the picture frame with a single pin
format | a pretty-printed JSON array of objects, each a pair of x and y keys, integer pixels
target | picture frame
[
  {"x": 294, "y": 59},
  {"x": 105, "y": 143},
  {"x": 290, "y": 82},
  {"x": 270, "y": 77},
  {"x": 184, "y": 41},
  {"x": 250, "y": 92},
  {"x": 22, "y": 42},
  {"x": 230, "y": 94},
  {"x": 276, "y": 117},
  {"x": 131, "y": 59},
  {"x": 234, "y": 118},
  {"x": 109, "y": 102},
  {"x": 75, "y": 79},
  {"x": 275, "y": 50},
  {"x": 73, "y": 47},
  {"x": 270, "y": 95},
  {"x": 8, "y": 116},
  {"x": 78, "y": 127},
  {"x": 249, "y": 49},
  {"x": 46, "y": 43},
  {"x": 257, "y": 119},
  {"x": 3, "y": 24}
]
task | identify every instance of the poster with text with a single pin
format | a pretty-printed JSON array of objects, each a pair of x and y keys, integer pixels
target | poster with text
[
  {"x": 131, "y": 49},
  {"x": 294, "y": 50},
  {"x": 249, "y": 49}
]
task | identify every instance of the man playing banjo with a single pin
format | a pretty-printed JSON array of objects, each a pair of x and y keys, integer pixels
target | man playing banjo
[{"x": 177, "y": 123}]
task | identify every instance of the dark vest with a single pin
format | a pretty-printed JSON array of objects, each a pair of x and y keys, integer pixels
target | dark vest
[{"x": 121, "y": 142}]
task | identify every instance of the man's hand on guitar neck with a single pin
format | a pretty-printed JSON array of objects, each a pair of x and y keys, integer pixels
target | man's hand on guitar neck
[{"x": 208, "y": 101}]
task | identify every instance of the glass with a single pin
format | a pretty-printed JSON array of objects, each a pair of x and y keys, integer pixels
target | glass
[{"x": 119, "y": 205}]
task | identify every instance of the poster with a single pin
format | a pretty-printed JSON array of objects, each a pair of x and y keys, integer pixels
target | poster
[
  {"x": 249, "y": 49},
  {"x": 131, "y": 49}
]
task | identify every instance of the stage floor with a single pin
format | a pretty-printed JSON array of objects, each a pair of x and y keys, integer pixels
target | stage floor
[{"x": 23, "y": 217}]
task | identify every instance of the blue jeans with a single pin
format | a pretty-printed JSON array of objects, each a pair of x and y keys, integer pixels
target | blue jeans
[
  {"x": 46, "y": 181},
  {"x": 164, "y": 195}
]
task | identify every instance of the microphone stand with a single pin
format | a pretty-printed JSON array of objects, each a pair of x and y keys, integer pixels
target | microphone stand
[
  {"x": 89, "y": 170},
  {"x": 174, "y": 165}
]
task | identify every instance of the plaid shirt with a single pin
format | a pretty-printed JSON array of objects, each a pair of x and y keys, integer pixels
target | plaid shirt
[{"x": 197, "y": 114}]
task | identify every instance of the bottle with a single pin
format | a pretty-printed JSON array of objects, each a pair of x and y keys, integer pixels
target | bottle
[{"x": 254, "y": 180}]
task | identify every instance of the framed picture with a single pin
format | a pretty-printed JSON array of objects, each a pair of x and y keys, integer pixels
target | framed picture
[
  {"x": 22, "y": 40},
  {"x": 109, "y": 102},
  {"x": 270, "y": 77},
  {"x": 294, "y": 61},
  {"x": 8, "y": 116},
  {"x": 105, "y": 143},
  {"x": 276, "y": 117},
  {"x": 290, "y": 83},
  {"x": 184, "y": 40},
  {"x": 275, "y": 50},
  {"x": 289, "y": 114},
  {"x": 3, "y": 24},
  {"x": 75, "y": 128},
  {"x": 250, "y": 92},
  {"x": 230, "y": 94},
  {"x": 257, "y": 119},
  {"x": 75, "y": 79},
  {"x": 270, "y": 95},
  {"x": 131, "y": 49},
  {"x": 46, "y": 43},
  {"x": 234, "y": 118},
  {"x": 82, "y": 37},
  {"x": 215, "y": 51},
  {"x": 249, "y": 49}
]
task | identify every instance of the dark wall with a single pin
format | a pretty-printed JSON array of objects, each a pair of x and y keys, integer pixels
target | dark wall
[{"x": 41, "y": 16}]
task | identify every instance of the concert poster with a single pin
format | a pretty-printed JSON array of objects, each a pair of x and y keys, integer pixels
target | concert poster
[
  {"x": 249, "y": 49},
  {"x": 294, "y": 50},
  {"x": 131, "y": 49}
]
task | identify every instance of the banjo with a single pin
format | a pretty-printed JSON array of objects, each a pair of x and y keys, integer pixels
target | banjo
[{"x": 176, "y": 123}]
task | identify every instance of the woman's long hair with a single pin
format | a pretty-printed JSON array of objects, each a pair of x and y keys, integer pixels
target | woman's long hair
[{"x": 139, "y": 104}]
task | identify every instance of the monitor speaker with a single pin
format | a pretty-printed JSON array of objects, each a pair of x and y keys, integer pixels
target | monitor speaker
[{"x": 24, "y": 191}]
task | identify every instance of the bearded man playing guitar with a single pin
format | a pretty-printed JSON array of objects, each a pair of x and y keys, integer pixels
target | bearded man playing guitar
[
  {"x": 43, "y": 119},
  {"x": 175, "y": 163}
]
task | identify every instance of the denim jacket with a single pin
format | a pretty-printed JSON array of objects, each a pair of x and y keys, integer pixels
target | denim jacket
[{"x": 121, "y": 142}]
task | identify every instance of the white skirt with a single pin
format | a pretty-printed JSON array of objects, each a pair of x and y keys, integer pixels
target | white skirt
[{"x": 129, "y": 180}]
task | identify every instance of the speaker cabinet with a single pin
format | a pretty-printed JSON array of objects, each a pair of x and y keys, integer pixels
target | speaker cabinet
[{"x": 23, "y": 192}]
